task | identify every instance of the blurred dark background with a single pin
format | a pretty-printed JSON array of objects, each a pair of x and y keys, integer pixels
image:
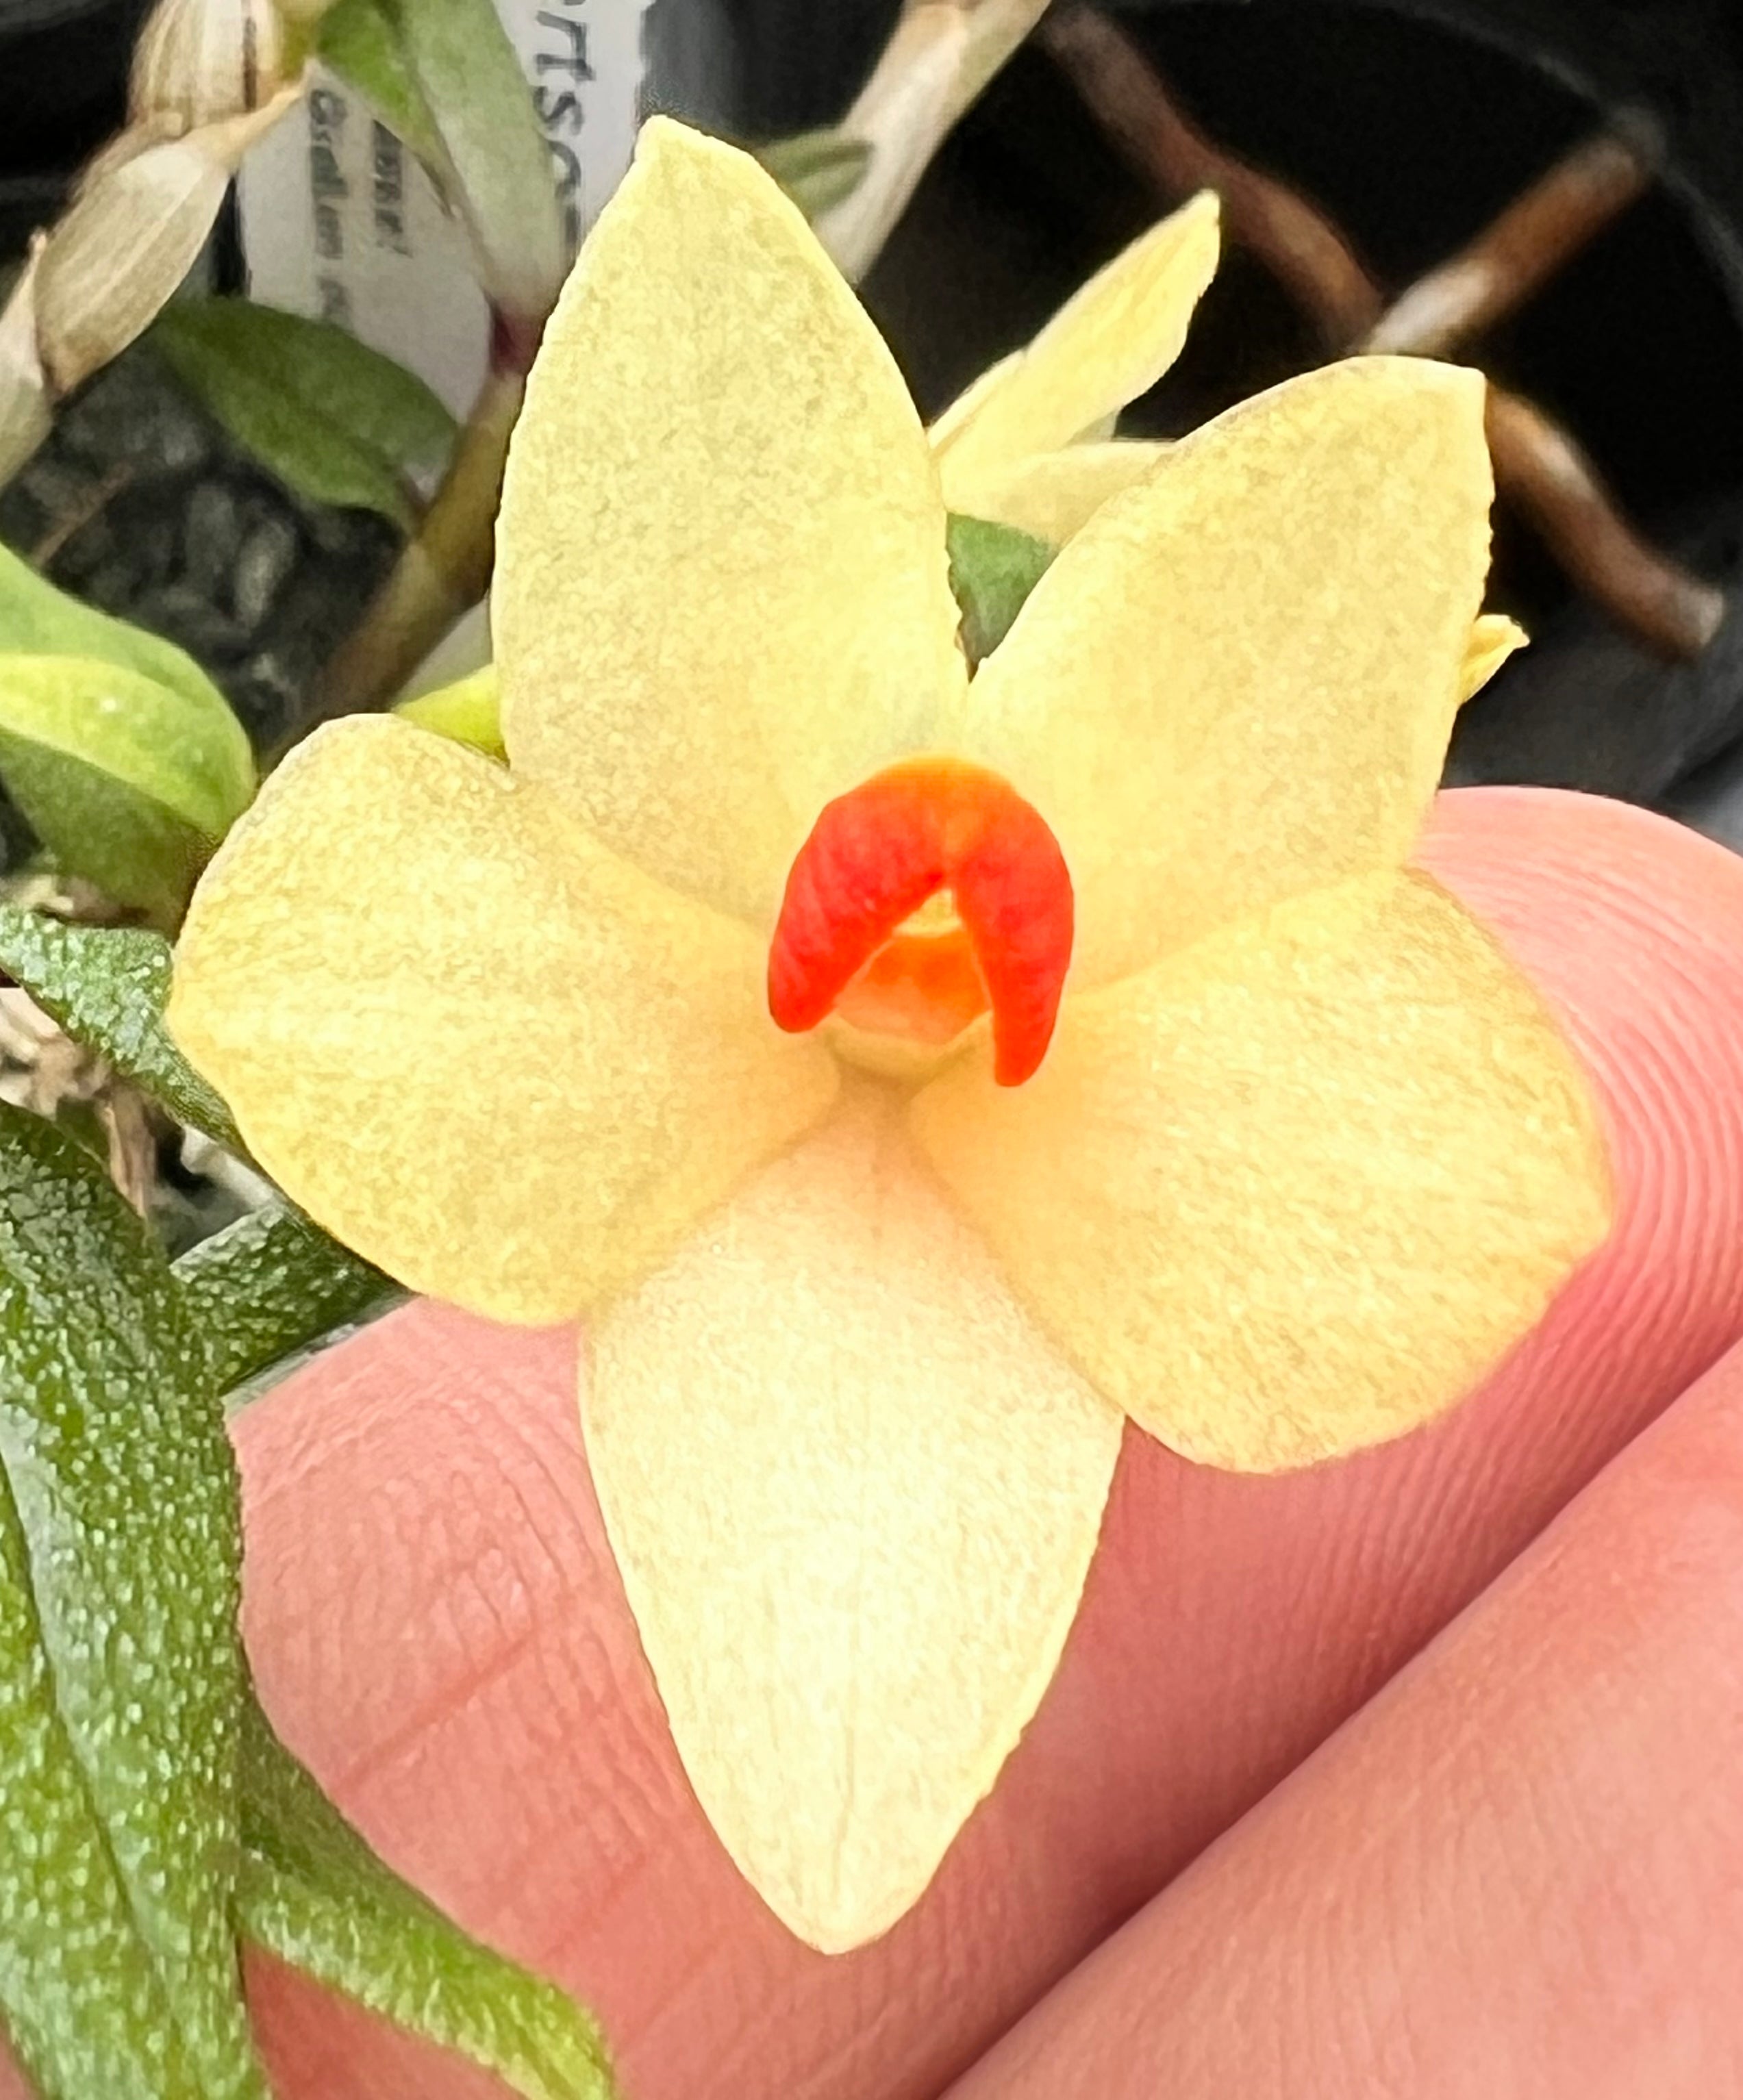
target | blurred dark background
[{"x": 1412, "y": 122}]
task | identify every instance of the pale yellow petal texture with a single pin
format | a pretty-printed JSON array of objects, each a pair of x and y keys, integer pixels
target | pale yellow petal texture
[
  {"x": 1237, "y": 682},
  {"x": 484, "y": 1051},
  {"x": 1493, "y": 639},
  {"x": 1297, "y": 1190},
  {"x": 853, "y": 1493},
  {"x": 1109, "y": 342},
  {"x": 722, "y": 595},
  {"x": 1054, "y": 494}
]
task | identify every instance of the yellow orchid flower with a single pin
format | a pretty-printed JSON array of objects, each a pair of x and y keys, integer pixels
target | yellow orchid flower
[{"x": 1123, "y": 1069}]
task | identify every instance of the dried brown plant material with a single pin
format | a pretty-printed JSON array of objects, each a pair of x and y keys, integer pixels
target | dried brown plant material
[
  {"x": 199, "y": 61},
  {"x": 141, "y": 216}
]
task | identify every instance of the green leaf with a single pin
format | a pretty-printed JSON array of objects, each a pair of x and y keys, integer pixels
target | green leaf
[
  {"x": 37, "y": 619},
  {"x": 359, "y": 40},
  {"x": 128, "y": 782},
  {"x": 106, "y": 987},
  {"x": 817, "y": 169},
  {"x": 312, "y": 1893},
  {"x": 468, "y": 712},
  {"x": 494, "y": 163},
  {"x": 121, "y": 1675},
  {"x": 269, "y": 1286},
  {"x": 332, "y": 418},
  {"x": 993, "y": 568}
]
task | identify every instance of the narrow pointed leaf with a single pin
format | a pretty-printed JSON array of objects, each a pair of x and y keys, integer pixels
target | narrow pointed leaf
[
  {"x": 313, "y": 1893},
  {"x": 106, "y": 987},
  {"x": 84, "y": 2007},
  {"x": 114, "y": 1454},
  {"x": 470, "y": 79},
  {"x": 128, "y": 782},
  {"x": 272, "y": 1285},
  {"x": 332, "y": 418},
  {"x": 359, "y": 40},
  {"x": 993, "y": 569}
]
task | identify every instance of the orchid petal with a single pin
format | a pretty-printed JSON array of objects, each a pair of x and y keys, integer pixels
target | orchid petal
[
  {"x": 487, "y": 1053},
  {"x": 853, "y": 1493},
  {"x": 721, "y": 596},
  {"x": 1054, "y": 494},
  {"x": 1295, "y": 1190},
  {"x": 1493, "y": 639},
  {"x": 1236, "y": 683},
  {"x": 1109, "y": 342}
]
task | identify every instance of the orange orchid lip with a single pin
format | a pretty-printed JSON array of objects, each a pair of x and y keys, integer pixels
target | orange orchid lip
[{"x": 874, "y": 857}]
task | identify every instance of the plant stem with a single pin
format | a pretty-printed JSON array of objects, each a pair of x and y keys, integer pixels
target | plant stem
[{"x": 443, "y": 571}]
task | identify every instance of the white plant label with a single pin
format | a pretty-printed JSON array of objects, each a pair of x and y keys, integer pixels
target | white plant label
[{"x": 339, "y": 221}]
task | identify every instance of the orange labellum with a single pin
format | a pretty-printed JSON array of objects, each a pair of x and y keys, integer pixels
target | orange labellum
[{"x": 874, "y": 858}]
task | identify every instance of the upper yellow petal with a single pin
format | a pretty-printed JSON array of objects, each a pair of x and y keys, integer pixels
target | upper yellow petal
[
  {"x": 721, "y": 596},
  {"x": 1111, "y": 340},
  {"x": 1296, "y": 1190},
  {"x": 1493, "y": 639},
  {"x": 1237, "y": 682},
  {"x": 853, "y": 1494},
  {"x": 1054, "y": 494},
  {"x": 492, "y": 1057}
]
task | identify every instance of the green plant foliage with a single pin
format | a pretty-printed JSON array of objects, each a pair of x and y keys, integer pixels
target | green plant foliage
[
  {"x": 359, "y": 40},
  {"x": 127, "y": 782},
  {"x": 313, "y": 1893},
  {"x": 271, "y": 1285},
  {"x": 468, "y": 712},
  {"x": 121, "y": 1672},
  {"x": 446, "y": 78},
  {"x": 817, "y": 169},
  {"x": 993, "y": 568},
  {"x": 106, "y": 987},
  {"x": 332, "y": 418},
  {"x": 37, "y": 619}
]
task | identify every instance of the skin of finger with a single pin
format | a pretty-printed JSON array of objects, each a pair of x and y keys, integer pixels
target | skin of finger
[
  {"x": 438, "y": 1627},
  {"x": 1520, "y": 1869}
]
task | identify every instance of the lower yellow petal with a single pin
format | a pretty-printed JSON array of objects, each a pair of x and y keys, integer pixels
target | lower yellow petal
[
  {"x": 853, "y": 1493},
  {"x": 1109, "y": 342},
  {"x": 1053, "y": 495},
  {"x": 482, "y": 1050},
  {"x": 1296, "y": 1190}
]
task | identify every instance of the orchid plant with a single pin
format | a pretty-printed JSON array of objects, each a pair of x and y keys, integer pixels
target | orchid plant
[{"x": 912, "y": 1079}]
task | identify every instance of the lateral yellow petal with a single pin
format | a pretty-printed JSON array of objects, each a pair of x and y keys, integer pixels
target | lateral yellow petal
[
  {"x": 721, "y": 596},
  {"x": 1493, "y": 639},
  {"x": 1236, "y": 683},
  {"x": 1295, "y": 1190},
  {"x": 853, "y": 1494},
  {"x": 484, "y": 1051},
  {"x": 1109, "y": 342},
  {"x": 1054, "y": 494}
]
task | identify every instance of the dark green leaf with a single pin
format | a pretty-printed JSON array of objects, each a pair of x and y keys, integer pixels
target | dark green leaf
[
  {"x": 332, "y": 418},
  {"x": 271, "y": 1285},
  {"x": 993, "y": 569},
  {"x": 124, "y": 1537},
  {"x": 128, "y": 782},
  {"x": 312, "y": 1893},
  {"x": 817, "y": 169},
  {"x": 107, "y": 987},
  {"x": 359, "y": 40},
  {"x": 499, "y": 166},
  {"x": 37, "y": 619}
]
